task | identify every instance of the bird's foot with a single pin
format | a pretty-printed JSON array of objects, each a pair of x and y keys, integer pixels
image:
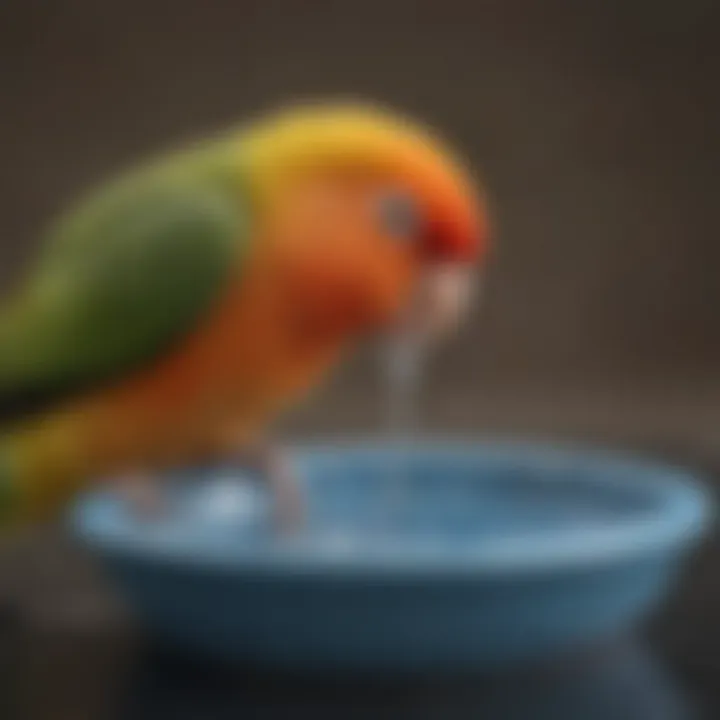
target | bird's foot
[
  {"x": 142, "y": 493},
  {"x": 275, "y": 467}
]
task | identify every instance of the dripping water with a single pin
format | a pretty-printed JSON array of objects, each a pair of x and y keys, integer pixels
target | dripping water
[{"x": 403, "y": 370}]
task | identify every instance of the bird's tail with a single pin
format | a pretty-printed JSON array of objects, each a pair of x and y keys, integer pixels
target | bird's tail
[{"x": 42, "y": 465}]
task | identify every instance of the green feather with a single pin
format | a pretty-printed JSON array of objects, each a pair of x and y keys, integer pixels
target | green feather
[{"x": 133, "y": 269}]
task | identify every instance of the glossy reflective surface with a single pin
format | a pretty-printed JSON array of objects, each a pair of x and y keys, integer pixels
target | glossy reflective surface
[{"x": 619, "y": 681}]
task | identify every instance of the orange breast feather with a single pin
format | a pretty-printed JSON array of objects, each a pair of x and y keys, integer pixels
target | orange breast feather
[{"x": 240, "y": 366}]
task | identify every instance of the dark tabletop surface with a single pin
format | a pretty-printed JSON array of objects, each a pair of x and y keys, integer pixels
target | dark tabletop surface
[{"x": 624, "y": 678}]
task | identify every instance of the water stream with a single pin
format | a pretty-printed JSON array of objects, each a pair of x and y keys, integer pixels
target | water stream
[{"x": 403, "y": 369}]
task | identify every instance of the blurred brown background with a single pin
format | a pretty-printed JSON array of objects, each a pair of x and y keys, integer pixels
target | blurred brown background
[{"x": 595, "y": 125}]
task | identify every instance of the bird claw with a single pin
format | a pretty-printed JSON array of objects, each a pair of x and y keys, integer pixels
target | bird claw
[
  {"x": 143, "y": 495},
  {"x": 283, "y": 482}
]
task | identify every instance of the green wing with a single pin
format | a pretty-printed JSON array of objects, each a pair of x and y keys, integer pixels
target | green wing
[{"x": 122, "y": 279}]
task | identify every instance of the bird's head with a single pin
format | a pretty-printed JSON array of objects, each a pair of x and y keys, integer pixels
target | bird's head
[{"x": 390, "y": 226}]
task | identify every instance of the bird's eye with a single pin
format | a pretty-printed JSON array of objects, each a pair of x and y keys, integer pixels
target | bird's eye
[{"x": 399, "y": 214}]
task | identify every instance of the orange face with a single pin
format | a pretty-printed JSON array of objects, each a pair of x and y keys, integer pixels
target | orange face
[
  {"x": 377, "y": 222},
  {"x": 343, "y": 271}
]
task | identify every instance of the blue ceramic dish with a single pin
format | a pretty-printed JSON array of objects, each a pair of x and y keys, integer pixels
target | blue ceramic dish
[{"x": 469, "y": 555}]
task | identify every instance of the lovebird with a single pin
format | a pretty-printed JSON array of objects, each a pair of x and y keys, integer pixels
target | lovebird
[{"x": 181, "y": 307}]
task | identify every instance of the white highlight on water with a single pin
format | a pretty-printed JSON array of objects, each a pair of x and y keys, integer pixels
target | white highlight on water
[{"x": 229, "y": 499}]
